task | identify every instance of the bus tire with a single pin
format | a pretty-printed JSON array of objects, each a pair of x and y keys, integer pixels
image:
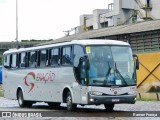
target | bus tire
[
  {"x": 70, "y": 105},
  {"x": 109, "y": 107},
  {"x": 21, "y": 101}
]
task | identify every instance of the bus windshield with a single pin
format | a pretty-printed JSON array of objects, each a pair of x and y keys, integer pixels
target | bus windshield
[{"x": 110, "y": 66}]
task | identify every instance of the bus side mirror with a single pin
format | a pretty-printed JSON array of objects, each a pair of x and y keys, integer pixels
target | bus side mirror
[
  {"x": 85, "y": 62},
  {"x": 136, "y": 61},
  {"x": 84, "y": 67}
]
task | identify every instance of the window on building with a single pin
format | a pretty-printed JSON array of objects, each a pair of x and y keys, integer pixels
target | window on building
[
  {"x": 148, "y": 3},
  {"x": 104, "y": 24}
]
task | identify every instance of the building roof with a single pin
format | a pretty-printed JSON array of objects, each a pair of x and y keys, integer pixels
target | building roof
[{"x": 115, "y": 30}]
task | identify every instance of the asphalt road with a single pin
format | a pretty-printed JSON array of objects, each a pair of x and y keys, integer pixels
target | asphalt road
[{"x": 140, "y": 110}]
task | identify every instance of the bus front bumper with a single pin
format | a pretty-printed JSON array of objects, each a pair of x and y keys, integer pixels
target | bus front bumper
[{"x": 94, "y": 99}]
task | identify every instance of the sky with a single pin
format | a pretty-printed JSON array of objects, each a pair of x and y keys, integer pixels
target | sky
[{"x": 43, "y": 19}]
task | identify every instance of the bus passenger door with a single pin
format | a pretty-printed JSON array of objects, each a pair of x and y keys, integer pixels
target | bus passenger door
[
  {"x": 80, "y": 73},
  {"x": 84, "y": 65}
]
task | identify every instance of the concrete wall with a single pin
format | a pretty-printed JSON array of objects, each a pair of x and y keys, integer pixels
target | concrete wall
[
  {"x": 89, "y": 22},
  {"x": 155, "y": 12},
  {"x": 87, "y": 16},
  {"x": 126, "y": 16},
  {"x": 96, "y": 17},
  {"x": 128, "y": 4}
]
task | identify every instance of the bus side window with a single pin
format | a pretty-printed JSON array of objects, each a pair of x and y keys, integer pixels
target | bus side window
[
  {"x": 17, "y": 60},
  {"x": 78, "y": 53},
  {"x": 6, "y": 61},
  {"x": 27, "y": 59},
  {"x": 13, "y": 61},
  {"x": 43, "y": 56},
  {"x": 22, "y": 60},
  {"x": 49, "y": 56},
  {"x": 38, "y": 58},
  {"x": 66, "y": 55},
  {"x": 55, "y": 56},
  {"x": 10, "y": 62},
  {"x": 32, "y": 60}
]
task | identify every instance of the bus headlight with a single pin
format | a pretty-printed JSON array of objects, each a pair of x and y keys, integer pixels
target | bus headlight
[
  {"x": 95, "y": 93},
  {"x": 132, "y": 92}
]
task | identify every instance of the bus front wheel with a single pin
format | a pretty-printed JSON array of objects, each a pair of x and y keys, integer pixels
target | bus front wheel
[
  {"x": 21, "y": 101},
  {"x": 109, "y": 107},
  {"x": 70, "y": 105}
]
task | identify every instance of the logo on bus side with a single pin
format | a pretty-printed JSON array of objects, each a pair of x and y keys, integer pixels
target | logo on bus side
[
  {"x": 29, "y": 84},
  {"x": 45, "y": 77},
  {"x": 39, "y": 77}
]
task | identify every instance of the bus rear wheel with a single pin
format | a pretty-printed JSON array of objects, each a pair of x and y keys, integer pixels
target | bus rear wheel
[
  {"x": 21, "y": 101},
  {"x": 70, "y": 105},
  {"x": 109, "y": 107}
]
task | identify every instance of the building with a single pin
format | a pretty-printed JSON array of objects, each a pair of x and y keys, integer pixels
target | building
[{"x": 120, "y": 12}]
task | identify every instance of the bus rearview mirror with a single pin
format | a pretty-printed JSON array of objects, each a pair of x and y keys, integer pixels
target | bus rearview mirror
[
  {"x": 85, "y": 62},
  {"x": 136, "y": 61}
]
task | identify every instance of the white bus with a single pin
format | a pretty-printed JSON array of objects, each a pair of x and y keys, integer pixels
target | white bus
[{"x": 84, "y": 72}]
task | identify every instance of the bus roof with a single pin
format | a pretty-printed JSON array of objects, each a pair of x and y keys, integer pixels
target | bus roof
[{"x": 80, "y": 42}]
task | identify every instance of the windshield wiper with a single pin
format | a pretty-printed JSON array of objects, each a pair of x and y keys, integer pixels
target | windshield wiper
[
  {"x": 109, "y": 69},
  {"x": 107, "y": 74},
  {"x": 120, "y": 74}
]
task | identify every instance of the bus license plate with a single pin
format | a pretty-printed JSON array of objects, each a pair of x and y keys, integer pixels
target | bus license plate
[{"x": 115, "y": 100}]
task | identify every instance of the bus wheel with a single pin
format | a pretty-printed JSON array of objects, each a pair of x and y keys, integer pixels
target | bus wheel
[
  {"x": 21, "y": 101},
  {"x": 109, "y": 107},
  {"x": 70, "y": 105}
]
